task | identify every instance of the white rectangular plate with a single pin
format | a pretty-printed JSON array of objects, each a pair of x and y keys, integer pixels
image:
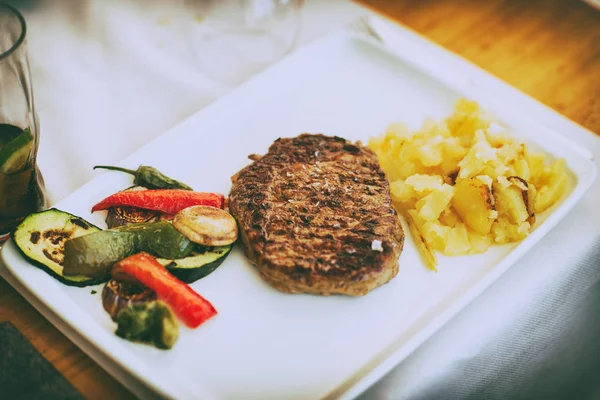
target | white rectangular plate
[{"x": 265, "y": 344}]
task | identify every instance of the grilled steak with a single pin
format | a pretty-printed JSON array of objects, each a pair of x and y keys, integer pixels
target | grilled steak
[{"x": 315, "y": 216}]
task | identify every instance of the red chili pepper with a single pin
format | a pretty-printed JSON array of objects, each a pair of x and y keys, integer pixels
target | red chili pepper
[
  {"x": 169, "y": 201},
  {"x": 188, "y": 305}
]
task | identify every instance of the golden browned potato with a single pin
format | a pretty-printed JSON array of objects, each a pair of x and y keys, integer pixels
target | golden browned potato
[
  {"x": 529, "y": 195},
  {"x": 474, "y": 203},
  {"x": 511, "y": 200}
]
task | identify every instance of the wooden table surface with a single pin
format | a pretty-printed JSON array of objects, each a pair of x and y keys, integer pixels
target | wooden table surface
[{"x": 549, "y": 49}]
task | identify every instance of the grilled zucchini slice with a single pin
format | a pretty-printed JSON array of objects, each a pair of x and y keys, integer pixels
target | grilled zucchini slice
[{"x": 41, "y": 239}]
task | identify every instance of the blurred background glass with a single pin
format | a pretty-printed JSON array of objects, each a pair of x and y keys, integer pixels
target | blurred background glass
[
  {"x": 594, "y": 3},
  {"x": 21, "y": 183},
  {"x": 232, "y": 40}
]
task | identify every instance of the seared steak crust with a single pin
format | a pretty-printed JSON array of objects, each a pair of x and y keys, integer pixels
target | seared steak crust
[{"x": 315, "y": 216}]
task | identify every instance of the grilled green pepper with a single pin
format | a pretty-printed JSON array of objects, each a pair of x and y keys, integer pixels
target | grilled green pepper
[
  {"x": 149, "y": 177},
  {"x": 152, "y": 322},
  {"x": 160, "y": 239},
  {"x": 94, "y": 254}
]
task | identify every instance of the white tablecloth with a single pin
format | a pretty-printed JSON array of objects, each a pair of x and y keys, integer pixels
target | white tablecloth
[{"x": 111, "y": 75}]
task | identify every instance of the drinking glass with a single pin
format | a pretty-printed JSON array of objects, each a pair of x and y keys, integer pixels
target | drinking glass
[
  {"x": 22, "y": 189},
  {"x": 232, "y": 40}
]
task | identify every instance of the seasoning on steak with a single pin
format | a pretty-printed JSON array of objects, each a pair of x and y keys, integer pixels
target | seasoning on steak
[{"x": 315, "y": 216}]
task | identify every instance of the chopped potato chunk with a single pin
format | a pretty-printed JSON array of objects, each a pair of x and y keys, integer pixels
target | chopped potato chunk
[{"x": 474, "y": 203}]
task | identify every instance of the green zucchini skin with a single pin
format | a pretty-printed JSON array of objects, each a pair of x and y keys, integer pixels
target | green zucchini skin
[
  {"x": 43, "y": 221},
  {"x": 197, "y": 265}
]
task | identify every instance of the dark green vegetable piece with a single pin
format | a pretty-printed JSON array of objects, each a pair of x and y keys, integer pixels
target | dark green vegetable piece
[
  {"x": 41, "y": 238},
  {"x": 200, "y": 263},
  {"x": 160, "y": 239},
  {"x": 152, "y": 322},
  {"x": 93, "y": 255},
  {"x": 149, "y": 177}
]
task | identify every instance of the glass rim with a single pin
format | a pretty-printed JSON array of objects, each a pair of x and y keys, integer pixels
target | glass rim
[{"x": 21, "y": 38}]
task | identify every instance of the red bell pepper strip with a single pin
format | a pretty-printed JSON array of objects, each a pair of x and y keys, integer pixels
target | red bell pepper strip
[
  {"x": 188, "y": 305},
  {"x": 169, "y": 201}
]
